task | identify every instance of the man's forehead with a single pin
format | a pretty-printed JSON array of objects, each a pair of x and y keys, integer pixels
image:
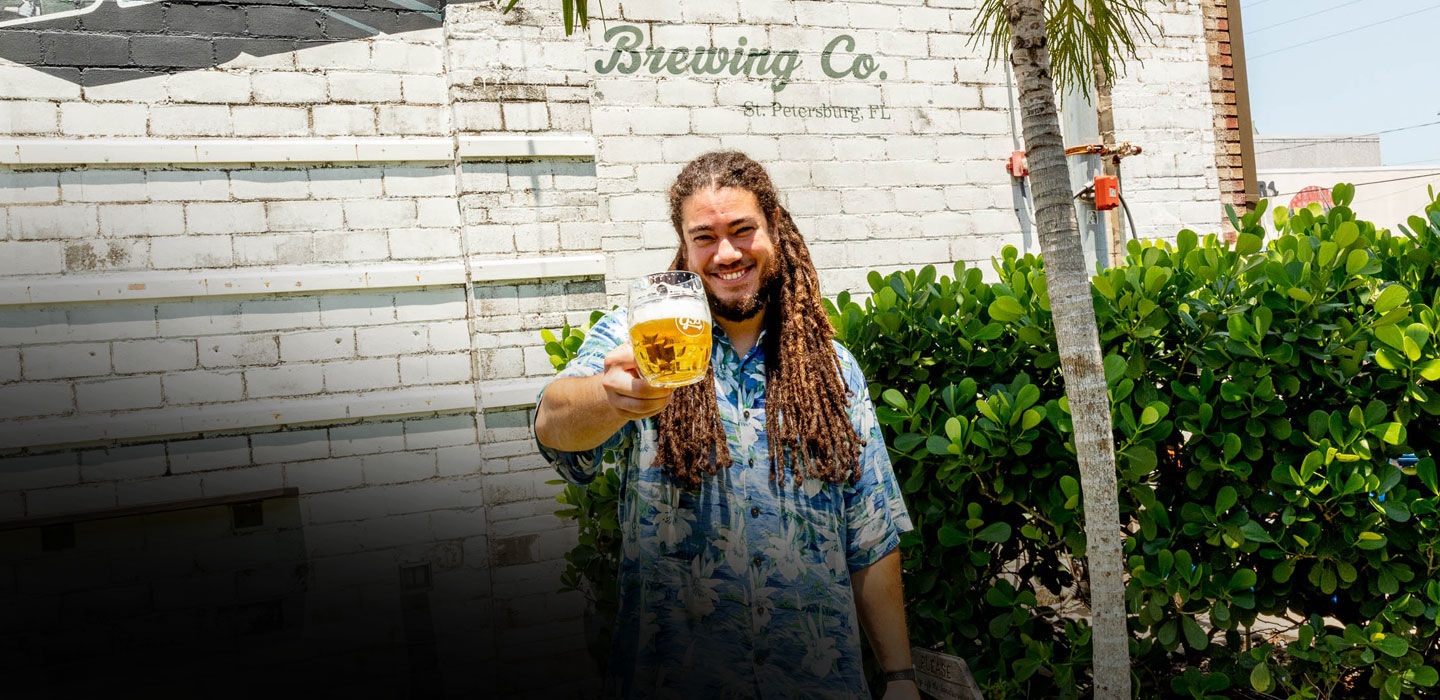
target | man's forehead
[{"x": 726, "y": 204}]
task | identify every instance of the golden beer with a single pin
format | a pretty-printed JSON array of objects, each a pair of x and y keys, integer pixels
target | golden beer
[
  {"x": 670, "y": 328},
  {"x": 672, "y": 351}
]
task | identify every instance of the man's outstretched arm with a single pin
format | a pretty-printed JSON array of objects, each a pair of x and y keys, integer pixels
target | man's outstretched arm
[
  {"x": 880, "y": 600},
  {"x": 581, "y": 413}
]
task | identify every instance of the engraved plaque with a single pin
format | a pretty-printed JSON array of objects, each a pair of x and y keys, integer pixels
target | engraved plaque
[{"x": 943, "y": 677}]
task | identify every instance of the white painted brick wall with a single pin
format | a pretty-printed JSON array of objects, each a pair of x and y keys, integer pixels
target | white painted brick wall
[
  {"x": 142, "y": 219},
  {"x": 285, "y": 380},
  {"x": 30, "y": 117},
  {"x": 332, "y": 120},
  {"x": 187, "y": 185},
  {"x": 209, "y": 86},
  {"x": 54, "y": 221},
  {"x": 93, "y": 396},
  {"x": 391, "y": 340},
  {"x": 238, "y": 217},
  {"x": 303, "y": 215},
  {"x": 282, "y": 87},
  {"x": 178, "y": 252},
  {"x": 30, "y": 258},
  {"x": 304, "y": 346},
  {"x": 363, "y": 87},
  {"x": 20, "y": 187},
  {"x": 238, "y": 350},
  {"x": 82, "y": 119},
  {"x": 353, "y": 375},
  {"x": 159, "y": 355},
  {"x": 60, "y": 361},
  {"x": 437, "y": 369},
  {"x": 369, "y": 214},
  {"x": 203, "y": 387},
  {"x": 344, "y": 247},
  {"x": 525, "y": 116},
  {"x": 190, "y": 120},
  {"x": 270, "y": 121},
  {"x": 269, "y": 184},
  {"x": 400, "y": 120}
]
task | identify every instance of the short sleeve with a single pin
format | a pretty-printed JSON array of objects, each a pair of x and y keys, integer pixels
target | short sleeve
[
  {"x": 875, "y": 512},
  {"x": 607, "y": 334}
]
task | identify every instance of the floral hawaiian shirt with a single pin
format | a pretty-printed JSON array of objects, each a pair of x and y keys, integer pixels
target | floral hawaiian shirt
[{"x": 742, "y": 588}]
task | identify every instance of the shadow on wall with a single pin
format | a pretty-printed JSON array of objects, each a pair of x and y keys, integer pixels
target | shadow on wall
[
  {"x": 99, "y": 42},
  {"x": 165, "y": 603}
]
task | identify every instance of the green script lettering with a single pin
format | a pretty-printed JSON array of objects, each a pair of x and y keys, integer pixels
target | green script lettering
[
  {"x": 626, "y": 38},
  {"x": 861, "y": 66},
  {"x": 628, "y": 44}
]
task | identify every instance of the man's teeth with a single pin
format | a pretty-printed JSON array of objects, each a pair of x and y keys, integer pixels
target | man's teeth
[{"x": 732, "y": 275}]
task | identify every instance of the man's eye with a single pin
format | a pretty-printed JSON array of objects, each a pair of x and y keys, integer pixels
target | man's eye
[
  {"x": 702, "y": 239},
  {"x": 745, "y": 231}
]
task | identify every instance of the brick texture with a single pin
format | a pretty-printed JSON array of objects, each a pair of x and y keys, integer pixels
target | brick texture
[{"x": 1223, "y": 97}]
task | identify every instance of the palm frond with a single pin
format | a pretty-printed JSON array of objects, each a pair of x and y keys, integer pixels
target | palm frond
[
  {"x": 575, "y": 12},
  {"x": 1079, "y": 34}
]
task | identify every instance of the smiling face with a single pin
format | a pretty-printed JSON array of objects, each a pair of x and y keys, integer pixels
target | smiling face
[{"x": 727, "y": 240}]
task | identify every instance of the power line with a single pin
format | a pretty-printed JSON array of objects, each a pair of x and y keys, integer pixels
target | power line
[
  {"x": 1255, "y": 4},
  {"x": 1403, "y": 190},
  {"x": 1414, "y": 162},
  {"x": 1349, "y": 139},
  {"x": 1372, "y": 182},
  {"x": 1297, "y": 19},
  {"x": 1347, "y": 31}
]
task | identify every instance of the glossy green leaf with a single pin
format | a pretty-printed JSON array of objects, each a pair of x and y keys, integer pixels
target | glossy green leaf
[
  {"x": 1260, "y": 677},
  {"x": 1194, "y": 636},
  {"x": 1247, "y": 243},
  {"x": 1425, "y": 676},
  {"x": 1355, "y": 261},
  {"x": 1393, "y": 645},
  {"x": 1006, "y": 309},
  {"x": 1225, "y": 499},
  {"x": 1391, "y": 297},
  {"x": 994, "y": 532},
  {"x": 1032, "y": 418},
  {"x": 1346, "y": 233},
  {"x": 950, "y": 536},
  {"x": 1255, "y": 532},
  {"x": 1342, "y": 194}
]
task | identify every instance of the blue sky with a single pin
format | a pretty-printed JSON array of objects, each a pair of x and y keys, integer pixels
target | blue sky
[{"x": 1364, "y": 81}]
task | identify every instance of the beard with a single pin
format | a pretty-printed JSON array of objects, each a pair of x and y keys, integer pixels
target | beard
[{"x": 745, "y": 308}]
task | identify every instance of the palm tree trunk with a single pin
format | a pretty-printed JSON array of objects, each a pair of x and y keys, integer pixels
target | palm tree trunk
[{"x": 1079, "y": 344}]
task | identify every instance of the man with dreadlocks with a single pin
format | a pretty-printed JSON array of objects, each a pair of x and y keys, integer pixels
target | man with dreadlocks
[{"x": 758, "y": 510}]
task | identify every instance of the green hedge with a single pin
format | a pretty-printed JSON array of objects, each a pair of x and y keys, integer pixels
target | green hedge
[{"x": 1261, "y": 399}]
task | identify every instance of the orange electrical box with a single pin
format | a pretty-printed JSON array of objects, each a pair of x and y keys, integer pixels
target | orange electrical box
[
  {"x": 1107, "y": 192},
  {"x": 1017, "y": 166}
]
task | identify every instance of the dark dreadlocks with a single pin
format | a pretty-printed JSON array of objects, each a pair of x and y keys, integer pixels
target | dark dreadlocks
[{"x": 805, "y": 394}]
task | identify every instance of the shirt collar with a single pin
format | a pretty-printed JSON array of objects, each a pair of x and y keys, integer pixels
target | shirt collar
[{"x": 723, "y": 339}]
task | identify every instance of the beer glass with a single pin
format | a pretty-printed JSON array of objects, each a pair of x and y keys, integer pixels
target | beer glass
[{"x": 670, "y": 328}]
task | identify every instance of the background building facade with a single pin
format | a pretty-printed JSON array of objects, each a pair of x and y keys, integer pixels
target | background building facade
[{"x": 298, "y": 255}]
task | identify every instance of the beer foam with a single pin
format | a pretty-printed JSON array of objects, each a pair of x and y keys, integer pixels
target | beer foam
[{"x": 673, "y": 307}]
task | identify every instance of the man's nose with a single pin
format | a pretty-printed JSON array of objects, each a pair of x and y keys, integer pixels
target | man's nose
[{"x": 727, "y": 253}]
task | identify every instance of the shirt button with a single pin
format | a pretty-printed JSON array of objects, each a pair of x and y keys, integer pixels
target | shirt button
[
  {"x": 747, "y": 415},
  {"x": 752, "y": 461},
  {"x": 760, "y": 659},
  {"x": 759, "y": 560},
  {"x": 754, "y": 511}
]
